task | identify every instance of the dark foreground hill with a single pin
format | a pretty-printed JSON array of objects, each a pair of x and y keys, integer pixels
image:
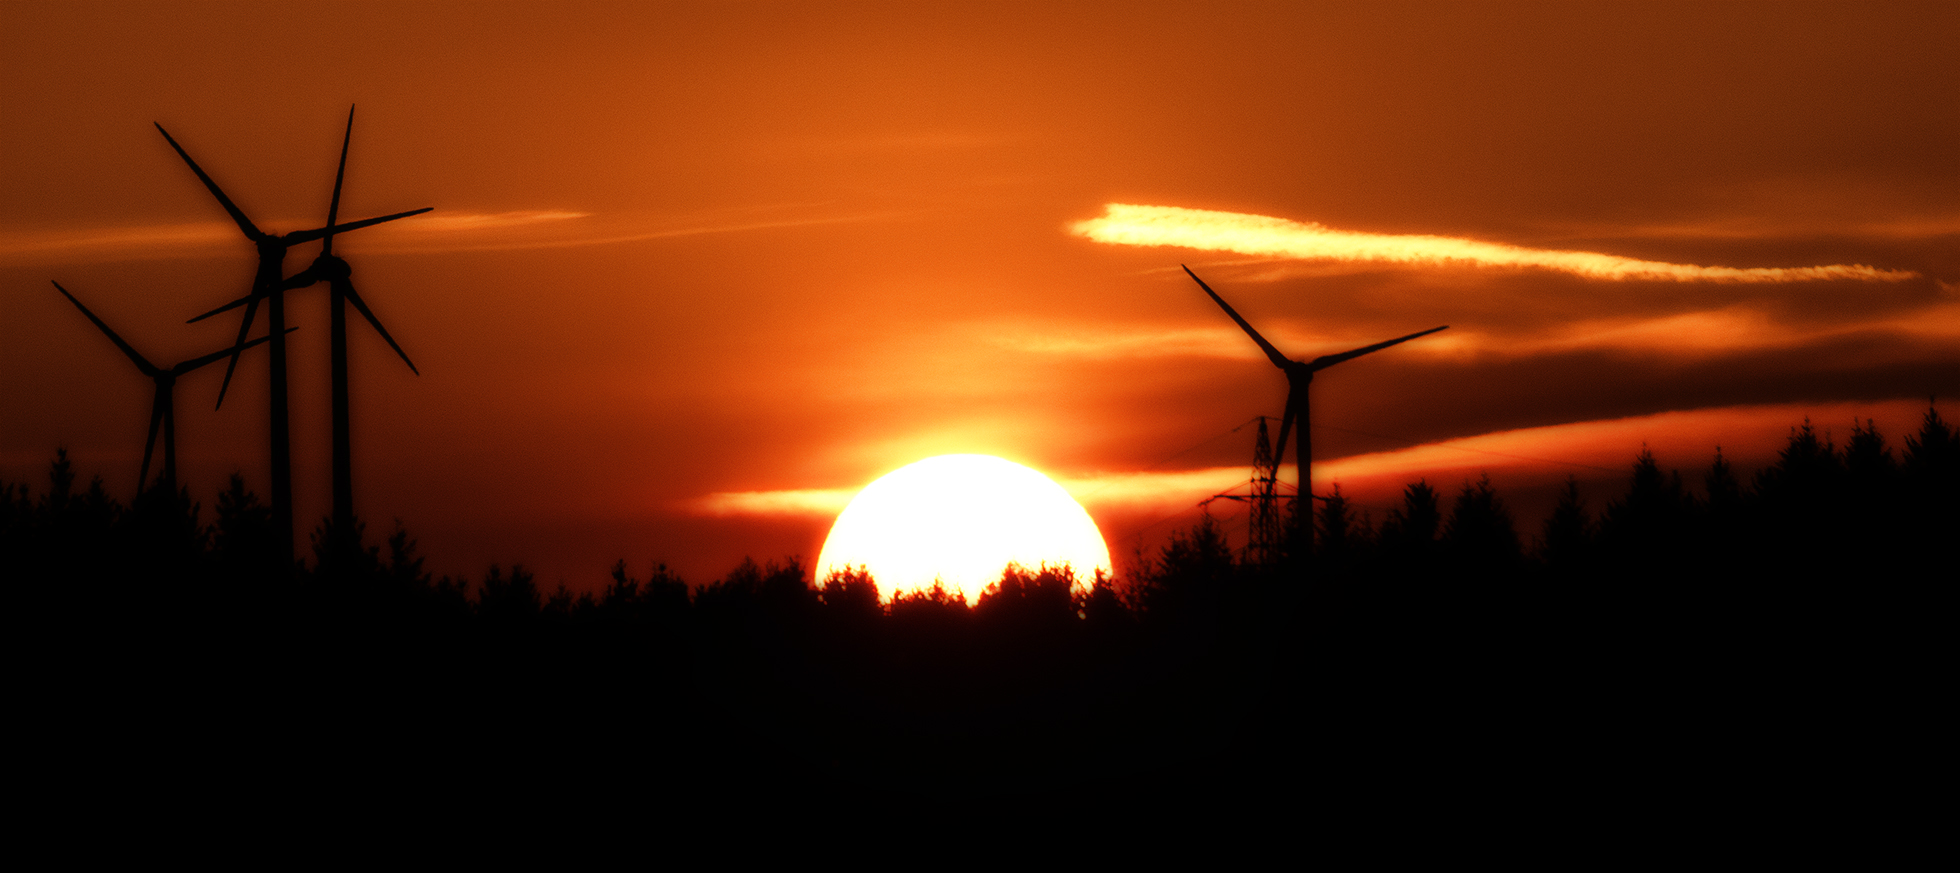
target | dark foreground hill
[{"x": 1773, "y": 643}]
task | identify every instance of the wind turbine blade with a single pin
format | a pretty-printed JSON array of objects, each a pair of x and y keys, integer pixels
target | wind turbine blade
[
  {"x": 195, "y": 363},
  {"x": 1278, "y": 359},
  {"x": 149, "y": 446},
  {"x": 249, "y": 298},
  {"x": 1285, "y": 427},
  {"x": 320, "y": 232},
  {"x": 347, "y": 290},
  {"x": 141, "y": 364},
  {"x": 244, "y": 224},
  {"x": 333, "y": 206},
  {"x": 251, "y": 310},
  {"x": 1325, "y": 361}
]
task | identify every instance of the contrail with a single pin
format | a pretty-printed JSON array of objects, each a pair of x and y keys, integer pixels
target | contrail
[{"x": 1127, "y": 224}]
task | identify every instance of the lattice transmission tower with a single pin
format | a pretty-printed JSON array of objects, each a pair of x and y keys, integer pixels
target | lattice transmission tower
[{"x": 1263, "y": 542}]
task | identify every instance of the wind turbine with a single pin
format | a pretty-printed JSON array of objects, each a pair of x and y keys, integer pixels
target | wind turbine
[
  {"x": 1299, "y": 375},
  {"x": 268, "y": 284},
  {"x": 338, "y": 277},
  {"x": 163, "y": 415}
]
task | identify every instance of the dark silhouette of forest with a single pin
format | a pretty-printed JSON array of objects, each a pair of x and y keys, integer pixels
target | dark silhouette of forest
[{"x": 1725, "y": 623}]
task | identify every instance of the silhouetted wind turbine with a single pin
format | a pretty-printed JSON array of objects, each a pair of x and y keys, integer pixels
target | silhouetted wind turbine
[
  {"x": 1299, "y": 374},
  {"x": 338, "y": 277},
  {"x": 268, "y": 284},
  {"x": 163, "y": 415}
]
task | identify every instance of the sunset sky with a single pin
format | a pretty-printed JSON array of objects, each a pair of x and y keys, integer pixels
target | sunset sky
[{"x": 698, "y": 272}]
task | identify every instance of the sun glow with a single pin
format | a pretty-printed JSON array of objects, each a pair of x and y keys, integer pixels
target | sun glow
[{"x": 960, "y": 519}]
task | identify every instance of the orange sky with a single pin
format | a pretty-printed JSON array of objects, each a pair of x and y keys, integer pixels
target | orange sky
[{"x": 687, "y": 258}]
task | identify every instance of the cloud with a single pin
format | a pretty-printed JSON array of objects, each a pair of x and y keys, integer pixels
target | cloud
[
  {"x": 1796, "y": 222},
  {"x": 1736, "y": 329},
  {"x": 1748, "y": 435},
  {"x": 1148, "y": 490},
  {"x": 1685, "y": 437},
  {"x": 200, "y": 238},
  {"x": 550, "y": 230},
  {"x": 1207, "y": 230},
  {"x": 189, "y": 239},
  {"x": 1106, "y": 344},
  {"x": 1155, "y": 490},
  {"x": 1711, "y": 332},
  {"x": 815, "y": 501},
  {"x": 467, "y": 222},
  {"x": 430, "y": 232}
]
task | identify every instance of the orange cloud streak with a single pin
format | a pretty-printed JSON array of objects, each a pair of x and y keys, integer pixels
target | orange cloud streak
[
  {"x": 806, "y": 502},
  {"x": 1728, "y": 330},
  {"x": 1611, "y": 443},
  {"x": 1125, "y": 224},
  {"x": 435, "y": 232},
  {"x": 201, "y": 238},
  {"x": 1681, "y": 437}
]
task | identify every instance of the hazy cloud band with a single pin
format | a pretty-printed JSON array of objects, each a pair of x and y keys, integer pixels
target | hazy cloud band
[
  {"x": 1207, "y": 230},
  {"x": 1681, "y": 437},
  {"x": 434, "y": 232}
]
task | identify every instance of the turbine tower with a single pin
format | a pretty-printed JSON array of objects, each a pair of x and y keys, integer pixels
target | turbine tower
[
  {"x": 1299, "y": 375},
  {"x": 338, "y": 276},
  {"x": 268, "y": 284},
  {"x": 163, "y": 415}
]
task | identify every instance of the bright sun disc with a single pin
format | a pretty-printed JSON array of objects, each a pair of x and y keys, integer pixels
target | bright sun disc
[{"x": 961, "y": 519}]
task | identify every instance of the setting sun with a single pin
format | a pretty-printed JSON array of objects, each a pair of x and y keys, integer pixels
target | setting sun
[{"x": 960, "y": 519}]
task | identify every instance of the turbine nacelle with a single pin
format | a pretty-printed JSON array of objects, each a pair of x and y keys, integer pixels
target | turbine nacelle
[{"x": 331, "y": 269}]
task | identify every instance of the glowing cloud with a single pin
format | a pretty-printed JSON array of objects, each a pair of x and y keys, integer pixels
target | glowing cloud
[
  {"x": 1222, "y": 342},
  {"x": 1148, "y": 491},
  {"x": 1207, "y": 230},
  {"x": 816, "y": 501},
  {"x": 465, "y": 222}
]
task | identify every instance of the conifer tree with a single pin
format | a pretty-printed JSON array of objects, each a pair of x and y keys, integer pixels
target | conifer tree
[
  {"x": 242, "y": 534},
  {"x": 1650, "y": 529},
  {"x": 1479, "y": 535},
  {"x": 1724, "y": 491},
  {"x": 1190, "y": 577},
  {"x": 509, "y": 600},
  {"x": 1409, "y": 532},
  {"x": 1568, "y": 541},
  {"x": 1932, "y": 472},
  {"x": 1807, "y": 473},
  {"x": 1933, "y": 454},
  {"x": 1339, "y": 536}
]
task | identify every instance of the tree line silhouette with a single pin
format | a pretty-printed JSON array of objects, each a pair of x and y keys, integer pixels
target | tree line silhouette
[{"x": 1440, "y": 640}]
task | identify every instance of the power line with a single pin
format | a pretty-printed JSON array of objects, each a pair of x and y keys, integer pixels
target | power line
[{"x": 1206, "y": 442}]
